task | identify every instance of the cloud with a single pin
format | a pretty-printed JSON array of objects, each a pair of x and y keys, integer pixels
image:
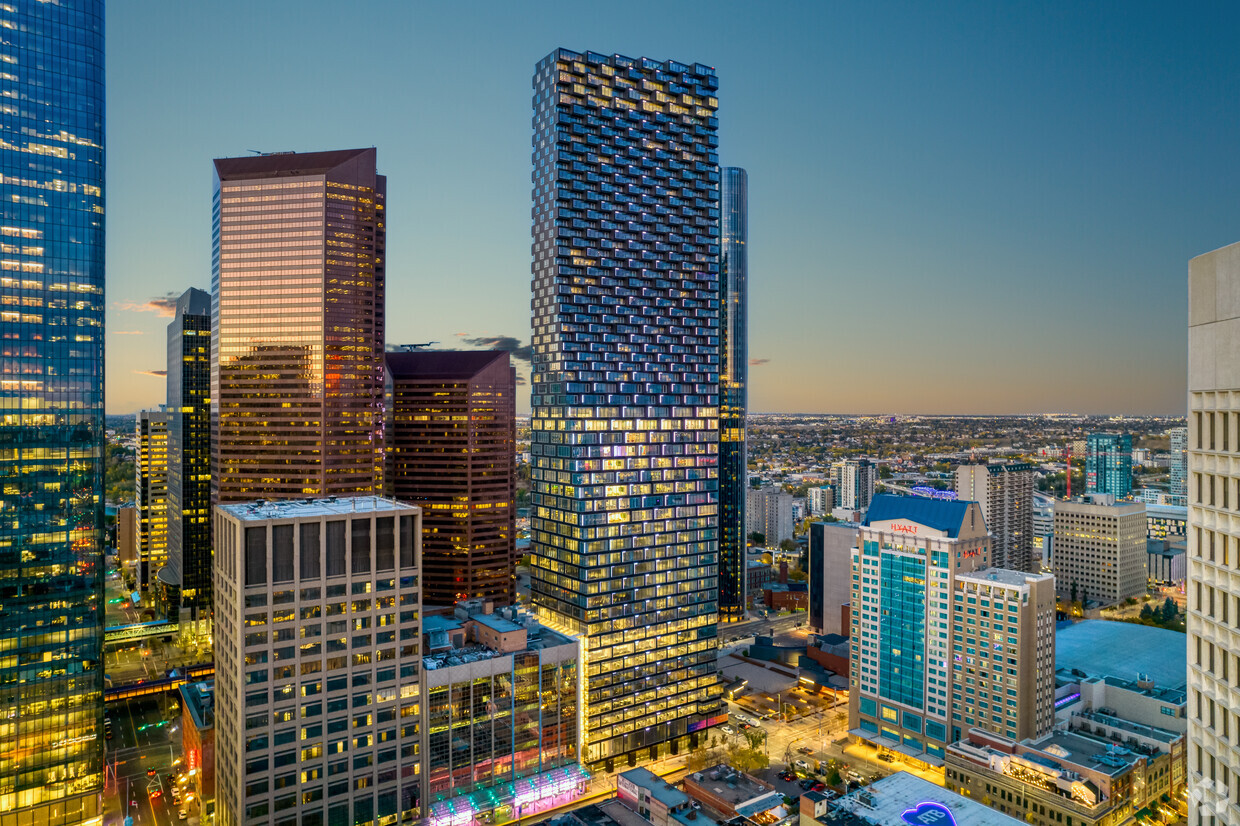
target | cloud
[
  {"x": 165, "y": 305},
  {"x": 522, "y": 352},
  {"x": 521, "y": 380},
  {"x": 159, "y": 373},
  {"x": 756, "y": 362},
  {"x": 128, "y": 333}
]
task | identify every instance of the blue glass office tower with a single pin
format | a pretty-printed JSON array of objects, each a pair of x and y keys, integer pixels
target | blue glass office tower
[
  {"x": 1108, "y": 464},
  {"x": 625, "y": 391},
  {"x": 51, "y": 425},
  {"x": 733, "y": 392}
]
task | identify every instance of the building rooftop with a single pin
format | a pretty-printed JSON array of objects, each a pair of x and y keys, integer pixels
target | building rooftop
[
  {"x": 1167, "y": 511},
  {"x": 199, "y": 701},
  {"x": 1085, "y": 751},
  {"x": 435, "y": 627},
  {"x": 441, "y": 364},
  {"x": 659, "y": 789},
  {"x": 732, "y": 786},
  {"x": 1003, "y": 576},
  {"x": 1097, "y": 648},
  {"x": 945, "y": 515},
  {"x": 279, "y": 164},
  {"x": 898, "y": 798},
  {"x": 1174, "y": 696},
  {"x": 261, "y": 510}
]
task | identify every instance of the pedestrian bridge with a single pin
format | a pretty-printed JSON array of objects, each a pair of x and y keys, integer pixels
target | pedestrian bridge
[{"x": 140, "y": 630}]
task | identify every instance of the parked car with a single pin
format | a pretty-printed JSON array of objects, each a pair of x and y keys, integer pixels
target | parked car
[
  {"x": 727, "y": 730},
  {"x": 806, "y": 784},
  {"x": 817, "y": 786},
  {"x": 802, "y": 765},
  {"x": 886, "y": 757},
  {"x": 787, "y": 775}
]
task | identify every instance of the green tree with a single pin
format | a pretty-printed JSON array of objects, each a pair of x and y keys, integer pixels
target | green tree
[
  {"x": 119, "y": 474},
  {"x": 1169, "y": 610},
  {"x": 1146, "y": 613},
  {"x": 756, "y": 538},
  {"x": 787, "y": 545}
]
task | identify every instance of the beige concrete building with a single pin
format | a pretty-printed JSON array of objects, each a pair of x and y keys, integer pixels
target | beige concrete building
[
  {"x": 1214, "y": 536},
  {"x": 1005, "y": 492},
  {"x": 1003, "y": 646},
  {"x": 1099, "y": 552},
  {"x": 127, "y": 533},
  {"x": 318, "y": 708}
]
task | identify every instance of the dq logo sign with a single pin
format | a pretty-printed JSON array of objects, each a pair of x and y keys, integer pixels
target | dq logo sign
[{"x": 929, "y": 814}]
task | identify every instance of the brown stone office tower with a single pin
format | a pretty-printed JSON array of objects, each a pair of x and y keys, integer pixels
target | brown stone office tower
[
  {"x": 297, "y": 317},
  {"x": 451, "y": 431}
]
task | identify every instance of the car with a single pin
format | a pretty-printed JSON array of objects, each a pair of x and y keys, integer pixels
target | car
[
  {"x": 787, "y": 775},
  {"x": 727, "y": 730},
  {"x": 818, "y": 786},
  {"x": 150, "y": 772},
  {"x": 183, "y": 814},
  {"x": 886, "y": 758},
  {"x": 806, "y": 784},
  {"x": 802, "y": 765}
]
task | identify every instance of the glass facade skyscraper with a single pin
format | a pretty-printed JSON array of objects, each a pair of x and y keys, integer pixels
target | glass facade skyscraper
[
  {"x": 189, "y": 455},
  {"x": 733, "y": 389},
  {"x": 625, "y": 391},
  {"x": 1108, "y": 464},
  {"x": 51, "y": 426}
]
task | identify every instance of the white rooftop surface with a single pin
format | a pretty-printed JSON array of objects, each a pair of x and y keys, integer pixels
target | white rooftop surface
[
  {"x": 1002, "y": 576},
  {"x": 903, "y": 792},
  {"x": 313, "y": 508},
  {"x": 1102, "y": 648}
]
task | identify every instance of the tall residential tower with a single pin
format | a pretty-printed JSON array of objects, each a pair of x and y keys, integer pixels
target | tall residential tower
[
  {"x": 51, "y": 533},
  {"x": 733, "y": 388},
  {"x": 625, "y": 391},
  {"x": 1005, "y": 492},
  {"x": 297, "y": 325}
]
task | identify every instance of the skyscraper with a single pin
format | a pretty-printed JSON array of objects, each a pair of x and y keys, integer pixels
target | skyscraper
[
  {"x": 451, "y": 433},
  {"x": 1005, "y": 492},
  {"x": 151, "y": 491},
  {"x": 733, "y": 388},
  {"x": 51, "y": 535},
  {"x": 297, "y": 325},
  {"x": 625, "y": 391},
  {"x": 854, "y": 483},
  {"x": 1108, "y": 464},
  {"x": 1099, "y": 552},
  {"x": 318, "y": 720},
  {"x": 189, "y": 454},
  {"x": 1213, "y": 537}
]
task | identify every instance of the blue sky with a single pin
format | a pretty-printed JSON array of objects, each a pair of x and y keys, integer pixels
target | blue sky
[{"x": 954, "y": 207}]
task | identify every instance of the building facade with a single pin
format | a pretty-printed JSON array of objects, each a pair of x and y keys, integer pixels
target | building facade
[
  {"x": 1108, "y": 464},
  {"x": 297, "y": 324},
  {"x": 1178, "y": 437},
  {"x": 1005, "y": 492},
  {"x": 831, "y": 547},
  {"x": 821, "y": 500},
  {"x": 854, "y": 483},
  {"x": 733, "y": 387},
  {"x": 189, "y": 456},
  {"x": 1003, "y": 652},
  {"x": 451, "y": 441},
  {"x": 502, "y": 693},
  {"x": 625, "y": 391},
  {"x": 902, "y": 671},
  {"x": 52, "y": 279},
  {"x": 769, "y": 512},
  {"x": 151, "y": 493},
  {"x": 1099, "y": 551},
  {"x": 318, "y": 706},
  {"x": 1213, "y": 537}
]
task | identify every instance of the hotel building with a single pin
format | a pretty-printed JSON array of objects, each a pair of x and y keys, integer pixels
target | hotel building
[
  {"x": 625, "y": 391},
  {"x": 318, "y": 708},
  {"x": 902, "y": 670},
  {"x": 298, "y": 289}
]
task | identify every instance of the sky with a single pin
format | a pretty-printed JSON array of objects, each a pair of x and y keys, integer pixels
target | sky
[{"x": 954, "y": 207}]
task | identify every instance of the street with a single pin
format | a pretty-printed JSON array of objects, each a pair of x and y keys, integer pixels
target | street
[{"x": 143, "y": 738}]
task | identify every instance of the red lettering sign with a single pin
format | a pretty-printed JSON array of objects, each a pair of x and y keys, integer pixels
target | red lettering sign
[{"x": 910, "y": 529}]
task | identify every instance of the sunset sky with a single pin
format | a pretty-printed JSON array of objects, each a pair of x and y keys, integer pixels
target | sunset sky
[{"x": 954, "y": 207}]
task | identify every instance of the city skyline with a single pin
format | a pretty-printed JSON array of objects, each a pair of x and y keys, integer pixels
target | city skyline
[{"x": 950, "y": 176}]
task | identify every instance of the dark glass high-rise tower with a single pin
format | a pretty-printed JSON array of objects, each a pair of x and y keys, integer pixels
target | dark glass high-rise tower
[
  {"x": 733, "y": 389},
  {"x": 51, "y": 427},
  {"x": 625, "y": 391},
  {"x": 189, "y": 454}
]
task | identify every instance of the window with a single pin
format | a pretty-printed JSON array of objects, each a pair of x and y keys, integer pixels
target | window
[
  {"x": 360, "y": 530},
  {"x": 310, "y": 554},
  {"x": 255, "y": 556},
  {"x": 335, "y": 548},
  {"x": 282, "y": 553}
]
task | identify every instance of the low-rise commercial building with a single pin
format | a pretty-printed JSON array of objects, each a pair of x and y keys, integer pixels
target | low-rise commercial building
[
  {"x": 786, "y": 596},
  {"x": 725, "y": 791},
  {"x": 198, "y": 743},
  {"x": 1100, "y": 772},
  {"x": 502, "y": 693},
  {"x": 652, "y": 797},
  {"x": 902, "y": 799}
]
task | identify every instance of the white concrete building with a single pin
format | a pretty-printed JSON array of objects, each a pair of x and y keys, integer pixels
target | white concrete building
[{"x": 768, "y": 511}]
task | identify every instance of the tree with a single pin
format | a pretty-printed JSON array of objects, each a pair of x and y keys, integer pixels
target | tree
[
  {"x": 787, "y": 545},
  {"x": 748, "y": 760},
  {"x": 1169, "y": 610},
  {"x": 756, "y": 538},
  {"x": 1146, "y": 613},
  {"x": 1072, "y": 592}
]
